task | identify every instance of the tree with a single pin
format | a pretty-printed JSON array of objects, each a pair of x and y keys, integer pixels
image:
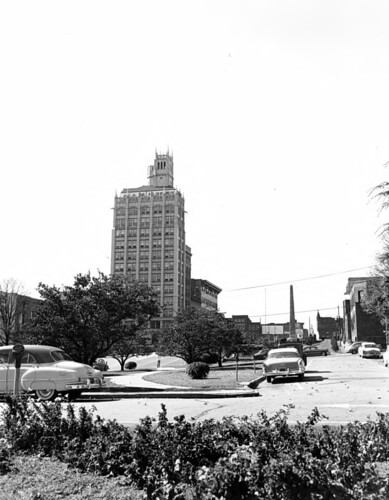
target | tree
[
  {"x": 226, "y": 339},
  {"x": 375, "y": 299},
  {"x": 89, "y": 318},
  {"x": 195, "y": 331},
  {"x": 138, "y": 344},
  {"x": 12, "y": 299}
]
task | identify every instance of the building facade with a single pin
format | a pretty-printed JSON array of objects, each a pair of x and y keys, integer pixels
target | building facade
[
  {"x": 358, "y": 324},
  {"x": 251, "y": 329},
  {"x": 204, "y": 294},
  {"x": 328, "y": 327},
  {"x": 148, "y": 238}
]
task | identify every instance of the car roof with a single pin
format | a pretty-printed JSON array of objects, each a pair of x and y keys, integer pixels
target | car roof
[
  {"x": 284, "y": 349},
  {"x": 36, "y": 348}
]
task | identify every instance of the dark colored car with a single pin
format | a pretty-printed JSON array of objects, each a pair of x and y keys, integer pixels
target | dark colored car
[
  {"x": 262, "y": 354},
  {"x": 313, "y": 350}
]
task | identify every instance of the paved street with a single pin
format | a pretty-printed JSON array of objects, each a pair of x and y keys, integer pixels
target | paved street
[{"x": 342, "y": 386}]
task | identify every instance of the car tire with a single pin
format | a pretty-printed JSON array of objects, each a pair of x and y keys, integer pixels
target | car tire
[
  {"x": 268, "y": 380},
  {"x": 323, "y": 354},
  {"x": 301, "y": 377},
  {"x": 46, "y": 394}
]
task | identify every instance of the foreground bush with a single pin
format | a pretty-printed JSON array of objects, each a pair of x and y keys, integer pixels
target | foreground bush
[
  {"x": 198, "y": 370},
  {"x": 236, "y": 458}
]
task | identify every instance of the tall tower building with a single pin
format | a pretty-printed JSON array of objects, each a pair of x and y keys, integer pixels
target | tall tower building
[{"x": 148, "y": 238}]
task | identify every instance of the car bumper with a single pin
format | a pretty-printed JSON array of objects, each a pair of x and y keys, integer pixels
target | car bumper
[
  {"x": 288, "y": 372},
  {"x": 371, "y": 355},
  {"x": 83, "y": 386}
]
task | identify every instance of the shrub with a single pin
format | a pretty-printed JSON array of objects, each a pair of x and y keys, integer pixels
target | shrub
[
  {"x": 334, "y": 344},
  {"x": 130, "y": 365},
  {"x": 197, "y": 370}
]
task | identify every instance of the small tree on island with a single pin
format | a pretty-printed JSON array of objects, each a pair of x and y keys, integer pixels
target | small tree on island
[
  {"x": 195, "y": 331},
  {"x": 89, "y": 318},
  {"x": 138, "y": 344}
]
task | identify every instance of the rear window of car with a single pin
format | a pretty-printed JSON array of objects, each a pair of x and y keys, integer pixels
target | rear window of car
[
  {"x": 370, "y": 345},
  {"x": 60, "y": 356},
  {"x": 283, "y": 355}
]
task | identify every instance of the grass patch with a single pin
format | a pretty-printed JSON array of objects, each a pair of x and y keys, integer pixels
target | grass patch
[
  {"x": 218, "y": 378},
  {"x": 37, "y": 478}
]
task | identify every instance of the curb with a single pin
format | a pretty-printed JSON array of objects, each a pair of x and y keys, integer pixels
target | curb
[{"x": 141, "y": 392}]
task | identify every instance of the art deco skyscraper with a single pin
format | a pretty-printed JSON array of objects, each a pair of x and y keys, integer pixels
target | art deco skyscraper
[{"x": 148, "y": 238}]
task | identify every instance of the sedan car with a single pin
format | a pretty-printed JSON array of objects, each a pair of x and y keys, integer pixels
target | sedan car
[
  {"x": 369, "y": 350},
  {"x": 313, "y": 350},
  {"x": 283, "y": 362},
  {"x": 46, "y": 372},
  {"x": 262, "y": 354},
  {"x": 352, "y": 348}
]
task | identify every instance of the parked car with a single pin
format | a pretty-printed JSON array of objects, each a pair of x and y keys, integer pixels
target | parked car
[
  {"x": 352, "y": 348},
  {"x": 262, "y": 354},
  {"x": 313, "y": 350},
  {"x": 46, "y": 372},
  {"x": 101, "y": 364},
  {"x": 298, "y": 345},
  {"x": 369, "y": 350},
  {"x": 385, "y": 357},
  {"x": 283, "y": 362}
]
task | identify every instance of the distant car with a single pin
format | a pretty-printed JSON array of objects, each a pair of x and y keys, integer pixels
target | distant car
[
  {"x": 101, "y": 364},
  {"x": 283, "y": 362},
  {"x": 262, "y": 354},
  {"x": 313, "y": 350},
  {"x": 46, "y": 372},
  {"x": 369, "y": 350},
  {"x": 385, "y": 357},
  {"x": 352, "y": 348}
]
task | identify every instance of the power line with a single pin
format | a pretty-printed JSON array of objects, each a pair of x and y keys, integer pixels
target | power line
[
  {"x": 297, "y": 312},
  {"x": 295, "y": 281}
]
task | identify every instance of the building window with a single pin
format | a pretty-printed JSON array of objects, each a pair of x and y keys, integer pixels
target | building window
[
  {"x": 167, "y": 289},
  {"x": 131, "y": 266},
  {"x": 168, "y": 312},
  {"x": 169, "y": 277},
  {"x": 157, "y": 231},
  {"x": 157, "y": 242},
  {"x": 144, "y": 231},
  {"x": 157, "y": 221},
  {"x": 144, "y": 255},
  {"x": 169, "y": 209},
  {"x": 144, "y": 277},
  {"x": 144, "y": 221},
  {"x": 157, "y": 209},
  {"x": 132, "y": 222},
  {"x": 119, "y": 268},
  {"x": 156, "y": 266},
  {"x": 169, "y": 230},
  {"x": 169, "y": 242},
  {"x": 131, "y": 256},
  {"x": 119, "y": 244},
  {"x": 133, "y": 211},
  {"x": 131, "y": 233},
  {"x": 119, "y": 233},
  {"x": 144, "y": 243},
  {"x": 132, "y": 244},
  {"x": 144, "y": 210},
  {"x": 143, "y": 266},
  {"x": 120, "y": 223},
  {"x": 119, "y": 255},
  {"x": 168, "y": 300},
  {"x": 156, "y": 254},
  {"x": 156, "y": 277},
  {"x": 169, "y": 266},
  {"x": 169, "y": 254},
  {"x": 169, "y": 220}
]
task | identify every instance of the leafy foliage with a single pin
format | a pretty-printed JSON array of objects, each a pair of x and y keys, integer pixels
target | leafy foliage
[
  {"x": 198, "y": 370},
  {"x": 137, "y": 344},
  {"x": 258, "y": 457},
  {"x": 195, "y": 331},
  {"x": 90, "y": 317},
  {"x": 130, "y": 365}
]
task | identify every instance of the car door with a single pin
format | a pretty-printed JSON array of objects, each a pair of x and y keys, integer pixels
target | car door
[
  {"x": 4, "y": 366},
  {"x": 28, "y": 361}
]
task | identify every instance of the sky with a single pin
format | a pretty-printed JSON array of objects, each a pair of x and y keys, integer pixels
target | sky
[{"x": 276, "y": 113}]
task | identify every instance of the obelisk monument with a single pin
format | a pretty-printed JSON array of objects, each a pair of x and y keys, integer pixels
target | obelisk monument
[{"x": 292, "y": 319}]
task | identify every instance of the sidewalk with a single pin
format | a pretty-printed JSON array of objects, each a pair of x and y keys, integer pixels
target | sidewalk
[{"x": 134, "y": 386}]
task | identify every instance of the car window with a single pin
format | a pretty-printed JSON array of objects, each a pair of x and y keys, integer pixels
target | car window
[
  {"x": 283, "y": 355},
  {"x": 27, "y": 359},
  {"x": 4, "y": 356},
  {"x": 60, "y": 356},
  {"x": 369, "y": 345}
]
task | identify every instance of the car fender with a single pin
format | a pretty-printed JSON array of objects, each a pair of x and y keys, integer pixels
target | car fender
[{"x": 47, "y": 378}]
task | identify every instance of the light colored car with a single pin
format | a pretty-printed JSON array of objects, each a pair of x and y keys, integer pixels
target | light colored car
[
  {"x": 369, "y": 350},
  {"x": 46, "y": 372},
  {"x": 283, "y": 362},
  {"x": 385, "y": 357}
]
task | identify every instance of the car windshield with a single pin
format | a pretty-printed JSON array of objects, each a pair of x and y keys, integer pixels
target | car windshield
[{"x": 289, "y": 354}]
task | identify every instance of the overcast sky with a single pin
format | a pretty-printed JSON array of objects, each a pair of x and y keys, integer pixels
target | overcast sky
[{"x": 276, "y": 113}]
